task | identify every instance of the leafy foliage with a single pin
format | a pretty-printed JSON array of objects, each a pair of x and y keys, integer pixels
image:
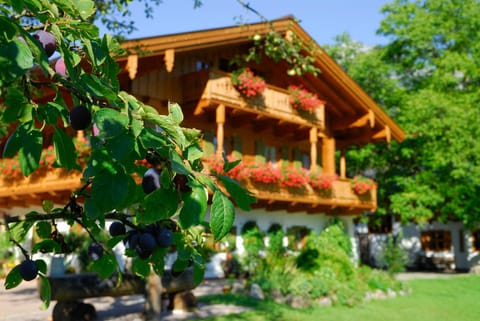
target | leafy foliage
[
  {"x": 427, "y": 77},
  {"x": 124, "y": 132}
]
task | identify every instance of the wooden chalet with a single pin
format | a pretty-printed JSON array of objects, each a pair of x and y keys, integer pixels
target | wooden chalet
[{"x": 194, "y": 70}]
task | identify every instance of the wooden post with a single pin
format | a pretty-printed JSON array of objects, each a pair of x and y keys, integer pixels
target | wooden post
[
  {"x": 313, "y": 148},
  {"x": 220, "y": 129},
  {"x": 328, "y": 155},
  {"x": 343, "y": 164}
]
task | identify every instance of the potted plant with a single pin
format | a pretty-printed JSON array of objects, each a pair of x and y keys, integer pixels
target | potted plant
[
  {"x": 247, "y": 83},
  {"x": 361, "y": 184},
  {"x": 302, "y": 99}
]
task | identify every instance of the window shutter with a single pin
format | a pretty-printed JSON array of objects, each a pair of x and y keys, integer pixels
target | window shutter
[
  {"x": 259, "y": 151},
  {"x": 237, "y": 147},
  {"x": 284, "y": 159},
  {"x": 297, "y": 158}
]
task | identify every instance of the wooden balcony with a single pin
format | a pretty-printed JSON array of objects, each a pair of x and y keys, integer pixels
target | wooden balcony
[
  {"x": 212, "y": 88},
  {"x": 44, "y": 184},
  {"x": 340, "y": 200}
]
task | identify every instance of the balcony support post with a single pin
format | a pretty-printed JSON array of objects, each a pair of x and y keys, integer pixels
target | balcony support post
[
  {"x": 343, "y": 164},
  {"x": 313, "y": 148},
  {"x": 328, "y": 155},
  {"x": 220, "y": 119}
]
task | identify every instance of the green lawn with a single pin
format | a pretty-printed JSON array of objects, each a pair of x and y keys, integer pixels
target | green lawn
[{"x": 452, "y": 299}]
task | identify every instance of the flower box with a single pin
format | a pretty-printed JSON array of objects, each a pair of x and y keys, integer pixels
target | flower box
[
  {"x": 361, "y": 184},
  {"x": 249, "y": 85},
  {"x": 302, "y": 99}
]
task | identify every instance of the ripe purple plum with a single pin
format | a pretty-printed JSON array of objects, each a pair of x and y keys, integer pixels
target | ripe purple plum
[
  {"x": 151, "y": 180},
  {"x": 80, "y": 117},
  {"x": 95, "y": 251},
  {"x": 28, "y": 270},
  {"x": 47, "y": 41}
]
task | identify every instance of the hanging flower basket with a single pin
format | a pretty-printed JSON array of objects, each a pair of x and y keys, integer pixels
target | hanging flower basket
[
  {"x": 361, "y": 184},
  {"x": 247, "y": 83},
  {"x": 302, "y": 99}
]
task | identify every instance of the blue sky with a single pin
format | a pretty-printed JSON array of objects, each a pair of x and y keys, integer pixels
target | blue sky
[{"x": 322, "y": 19}]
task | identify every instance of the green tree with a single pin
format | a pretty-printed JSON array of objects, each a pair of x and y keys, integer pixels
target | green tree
[
  {"x": 35, "y": 36},
  {"x": 427, "y": 77}
]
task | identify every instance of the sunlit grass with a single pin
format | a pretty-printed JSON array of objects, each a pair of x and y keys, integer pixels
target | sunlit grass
[{"x": 452, "y": 299}]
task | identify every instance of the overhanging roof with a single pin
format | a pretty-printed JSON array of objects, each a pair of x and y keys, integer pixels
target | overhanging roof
[{"x": 340, "y": 85}]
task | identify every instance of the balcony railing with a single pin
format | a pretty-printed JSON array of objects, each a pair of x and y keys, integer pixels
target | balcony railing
[
  {"x": 44, "y": 184},
  {"x": 341, "y": 195},
  {"x": 217, "y": 87}
]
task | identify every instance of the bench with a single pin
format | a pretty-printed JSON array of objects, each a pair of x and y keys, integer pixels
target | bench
[{"x": 69, "y": 289}]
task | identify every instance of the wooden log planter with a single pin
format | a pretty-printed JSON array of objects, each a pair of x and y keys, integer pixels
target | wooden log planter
[{"x": 69, "y": 289}]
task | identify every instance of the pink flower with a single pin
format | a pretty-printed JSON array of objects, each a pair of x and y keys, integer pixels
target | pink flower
[
  {"x": 247, "y": 83},
  {"x": 301, "y": 98}
]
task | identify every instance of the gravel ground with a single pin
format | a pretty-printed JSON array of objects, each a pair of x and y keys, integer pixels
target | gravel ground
[{"x": 22, "y": 304}]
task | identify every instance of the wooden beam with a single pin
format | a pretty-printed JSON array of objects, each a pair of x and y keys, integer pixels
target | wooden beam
[
  {"x": 313, "y": 148},
  {"x": 328, "y": 155},
  {"x": 220, "y": 119},
  {"x": 132, "y": 66},
  {"x": 169, "y": 59},
  {"x": 383, "y": 133}
]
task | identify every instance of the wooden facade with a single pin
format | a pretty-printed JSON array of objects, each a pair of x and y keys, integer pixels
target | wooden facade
[{"x": 193, "y": 70}]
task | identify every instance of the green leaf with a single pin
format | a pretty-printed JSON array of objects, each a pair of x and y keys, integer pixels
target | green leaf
[
  {"x": 110, "y": 122},
  {"x": 140, "y": 267},
  {"x": 110, "y": 191},
  {"x": 115, "y": 240},
  {"x": 14, "y": 142},
  {"x": 65, "y": 152},
  {"x": 105, "y": 266},
  {"x": 42, "y": 266},
  {"x": 198, "y": 272},
  {"x": 160, "y": 204},
  {"x": 222, "y": 215},
  {"x": 19, "y": 230},
  {"x": 31, "y": 151},
  {"x": 175, "y": 113},
  {"x": 178, "y": 166},
  {"x": 18, "y": 107},
  {"x": 47, "y": 206},
  {"x": 241, "y": 196},
  {"x": 47, "y": 246},
  {"x": 169, "y": 126},
  {"x": 86, "y": 8},
  {"x": 193, "y": 152},
  {"x": 13, "y": 279},
  {"x": 15, "y": 59},
  {"x": 194, "y": 206},
  {"x": 43, "y": 229},
  {"x": 45, "y": 292},
  {"x": 97, "y": 87}
]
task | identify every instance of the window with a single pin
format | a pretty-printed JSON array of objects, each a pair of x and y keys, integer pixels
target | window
[
  {"x": 476, "y": 240},
  {"x": 438, "y": 240},
  {"x": 380, "y": 224},
  {"x": 265, "y": 153},
  {"x": 297, "y": 237}
]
